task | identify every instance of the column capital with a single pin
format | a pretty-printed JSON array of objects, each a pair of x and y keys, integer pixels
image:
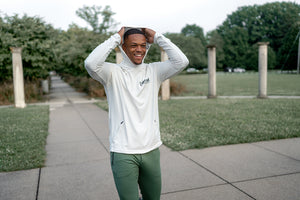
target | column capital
[
  {"x": 210, "y": 46},
  {"x": 16, "y": 49},
  {"x": 263, "y": 43}
]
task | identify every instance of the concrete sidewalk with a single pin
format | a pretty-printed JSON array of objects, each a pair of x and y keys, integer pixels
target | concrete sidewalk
[{"x": 78, "y": 168}]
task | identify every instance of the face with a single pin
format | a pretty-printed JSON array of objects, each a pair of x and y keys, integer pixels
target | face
[{"x": 135, "y": 48}]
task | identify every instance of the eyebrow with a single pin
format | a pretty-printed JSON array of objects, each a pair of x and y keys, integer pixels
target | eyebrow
[{"x": 134, "y": 43}]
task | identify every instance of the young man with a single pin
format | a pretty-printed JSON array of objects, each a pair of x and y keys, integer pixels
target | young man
[{"x": 132, "y": 89}]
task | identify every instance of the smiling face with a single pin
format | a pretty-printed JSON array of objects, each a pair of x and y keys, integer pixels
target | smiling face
[{"x": 135, "y": 48}]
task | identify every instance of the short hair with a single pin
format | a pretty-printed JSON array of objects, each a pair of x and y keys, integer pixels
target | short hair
[{"x": 133, "y": 31}]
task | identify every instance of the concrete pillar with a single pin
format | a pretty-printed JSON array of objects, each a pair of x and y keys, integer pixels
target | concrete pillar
[
  {"x": 45, "y": 86},
  {"x": 298, "y": 62},
  {"x": 165, "y": 86},
  {"x": 119, "y": 57},
  {"x": 18, "y": 77},
  {"x": 263, "y": 68},
  {"x": 212, "y": 91}
]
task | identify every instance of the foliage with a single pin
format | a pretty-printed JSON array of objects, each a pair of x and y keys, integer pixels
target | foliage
[
  {"x": 192, "y": 47},
  {"x": 74, "y": 46},
  {"x": 194, "y": 31},
  {"x": 215, "y": 38},
  {"x": 37, "y": 40},
  {"x": 23, "y": 134},
  {"x": 288, "y": 52},
  {"x": 45, "y": 48},
  {"x": 32, "y": 88},
  {"x": 86, "y": 84},
  {"x": 271, "y": 22},
  {"x": 92, "y": 14}
]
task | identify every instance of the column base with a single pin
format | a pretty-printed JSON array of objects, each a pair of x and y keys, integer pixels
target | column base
[
  {"x": 212, "y": 96},
  {"x": 262, "y": 96}
]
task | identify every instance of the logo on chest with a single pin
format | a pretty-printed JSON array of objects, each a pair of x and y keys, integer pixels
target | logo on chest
[{"x": 145, "y": 81}]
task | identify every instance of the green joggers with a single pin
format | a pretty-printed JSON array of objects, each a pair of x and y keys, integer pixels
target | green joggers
[{"x": 133, "y": 170}]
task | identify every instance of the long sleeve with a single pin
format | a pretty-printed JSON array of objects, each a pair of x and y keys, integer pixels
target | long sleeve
[
  {"x": 177, "y": 60},
  {"x": 95, "y": 63}
]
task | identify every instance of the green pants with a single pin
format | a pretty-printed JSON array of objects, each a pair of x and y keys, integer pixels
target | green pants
[{"x": 132, "y": 171}]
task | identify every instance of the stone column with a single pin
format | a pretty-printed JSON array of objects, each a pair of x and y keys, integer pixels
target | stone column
[
  {"x": 263, "y": 68},
  {"x": 165, "y": 86},
  {"x": 119, "y": 57},
  {"x": 45, "y": 86},
  {"x": 18, "y": 77},
  {"x": 298, "y": 62},
  {"x": 211, "y": 71}
]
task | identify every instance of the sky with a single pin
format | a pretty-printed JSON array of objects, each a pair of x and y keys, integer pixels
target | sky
[{"x": 160, "y": 15}]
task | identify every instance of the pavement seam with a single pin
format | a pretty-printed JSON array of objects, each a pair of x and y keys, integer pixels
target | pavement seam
[
  {"x": 266, "y": 177},
  {"x": 196, "y": 188},
  {"x": 273, "y": 151},
  {"x": 38, "y": 185},
  {"x": 217, "y": 175}
]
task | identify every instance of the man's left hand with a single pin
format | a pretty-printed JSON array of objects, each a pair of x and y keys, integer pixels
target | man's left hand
[{"x": 149, "y": 35}]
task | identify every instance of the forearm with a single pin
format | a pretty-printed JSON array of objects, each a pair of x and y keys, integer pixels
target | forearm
[
  {"x": 98, "y": 56},
  {"x": 176, "y": 57}
]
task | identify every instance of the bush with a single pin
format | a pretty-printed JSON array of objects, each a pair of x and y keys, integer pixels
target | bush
[
  {"x": 85, "y": 84},
  {"x": 33, "y": 92}
]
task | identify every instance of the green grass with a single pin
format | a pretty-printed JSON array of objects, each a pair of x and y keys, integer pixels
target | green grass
[
  {"x": 234, "y": 84},
  {"x": 187, "y": 124},
  {"x": 23, "y": 134}
]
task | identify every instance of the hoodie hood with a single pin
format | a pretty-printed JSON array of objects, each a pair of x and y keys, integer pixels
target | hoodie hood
[{"x": 126, "y": 61}]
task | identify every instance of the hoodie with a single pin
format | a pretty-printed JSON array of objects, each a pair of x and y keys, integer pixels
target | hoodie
[{"x": 132, "y": 93}]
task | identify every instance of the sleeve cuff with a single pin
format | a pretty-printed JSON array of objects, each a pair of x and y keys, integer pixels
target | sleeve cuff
[
  {"x": 117, "y": 37},
  {"x": 156, "y": 37}
]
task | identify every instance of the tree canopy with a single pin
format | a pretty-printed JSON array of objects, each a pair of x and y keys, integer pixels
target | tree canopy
[
  {"x": 276, "y": 23},
  {"x": 46, "y": 48},
  {"x": 37, "y": 40}
]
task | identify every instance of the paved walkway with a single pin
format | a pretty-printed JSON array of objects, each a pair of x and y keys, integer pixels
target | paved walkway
[{"x": 78, "y": 168}]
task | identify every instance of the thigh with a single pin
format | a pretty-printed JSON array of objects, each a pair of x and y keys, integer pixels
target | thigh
[
  {"x": 150, "y": 176},
  {"x": 125, "y": 172}
]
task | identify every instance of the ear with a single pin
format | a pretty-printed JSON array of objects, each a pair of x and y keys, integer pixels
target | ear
[{"x": 124, "y": 47}]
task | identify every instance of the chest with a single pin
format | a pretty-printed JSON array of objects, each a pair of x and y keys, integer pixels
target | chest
[{"x": 134, "y": 80}]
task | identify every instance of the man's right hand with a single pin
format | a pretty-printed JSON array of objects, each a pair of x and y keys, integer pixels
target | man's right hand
[{"x": 121, "y": 33}]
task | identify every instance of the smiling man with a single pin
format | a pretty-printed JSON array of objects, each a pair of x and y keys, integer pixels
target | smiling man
[{"x": 132, "y": 89}]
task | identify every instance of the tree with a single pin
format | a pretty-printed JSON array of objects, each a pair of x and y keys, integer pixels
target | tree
[
  {"x": 194, "y": 31},
  {"x": 192, "y": 47},
  {"x": 75, "y": 45},
  {"x": 270, "y": 22},
  {"x": 100, "y": 20},
  {"x": 37, "y": 40}
]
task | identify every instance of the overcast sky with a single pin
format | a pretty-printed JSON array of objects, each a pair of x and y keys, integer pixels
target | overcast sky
[{"x": 160, "y": 15}]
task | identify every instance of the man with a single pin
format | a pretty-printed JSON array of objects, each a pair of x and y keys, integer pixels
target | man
[{"x": 132, "y": 89}]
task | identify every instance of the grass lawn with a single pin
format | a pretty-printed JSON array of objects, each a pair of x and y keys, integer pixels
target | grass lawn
[
  {"x": 187, "y": 124},
  {"x": 235, "y": 84},
  {"x": 23, "y": 134}
]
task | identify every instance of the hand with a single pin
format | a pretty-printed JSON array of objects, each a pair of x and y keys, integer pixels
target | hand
[
  {"x": 121, "y": 33},
  {"x": 149, "y": 34}
]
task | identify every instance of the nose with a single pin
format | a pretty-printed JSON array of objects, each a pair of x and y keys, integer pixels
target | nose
[{"x": 139, "y": 48}]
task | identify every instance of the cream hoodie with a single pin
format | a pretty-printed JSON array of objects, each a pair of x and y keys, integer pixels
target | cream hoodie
[{"x": 132, "y": 92}]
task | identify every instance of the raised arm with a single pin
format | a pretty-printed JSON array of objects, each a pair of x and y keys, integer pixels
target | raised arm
[
  {"x": 95, "y": 63},
  {"x": 177, "y": 60}
]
